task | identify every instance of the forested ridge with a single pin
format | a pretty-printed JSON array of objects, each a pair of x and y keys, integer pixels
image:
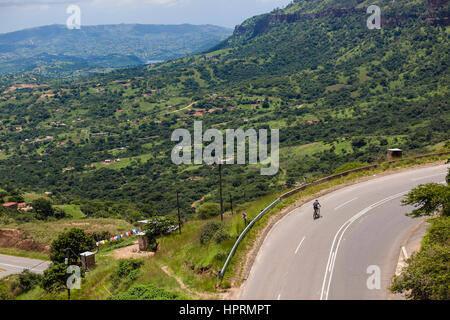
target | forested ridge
[{"x": 339, "y": 93}]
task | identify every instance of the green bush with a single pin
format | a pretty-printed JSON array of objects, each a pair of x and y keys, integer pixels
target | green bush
[
  {"x": 126, "y": 271},
  {"x": 208, "y": 232},
  {"x": 75, "y": 239},
  {"x": 55, "y": 277},
  {"x": 220, "y": 256},
  {"x": 428, "y": 272},
  {"x": 208, "y": 210},
  {"x": 26, "y": 281},
  {"x": 213, "y": 231},
  {"x": 145, "y": 292},
  {"x": 439, "y": 232},
  {"x": 427, "y": 275},
  {"x": 4, "y": 292},
  {"x": 221, "y": 236}
]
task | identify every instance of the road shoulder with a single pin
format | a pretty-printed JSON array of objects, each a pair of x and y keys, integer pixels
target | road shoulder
[{"x": 410, "y": 245}]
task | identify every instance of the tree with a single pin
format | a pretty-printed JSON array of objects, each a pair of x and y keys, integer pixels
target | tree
[
  {"x": 359, "y": 143},
  {"x": 75, "y": 239},
  {"x": 428, "y": 199},
  {"x": 55, "y": 277},
  {"x": 43, "y": 208},
  {"x": 157, "y": 227}
]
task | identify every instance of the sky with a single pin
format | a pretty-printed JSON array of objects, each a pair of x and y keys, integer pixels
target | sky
[{"x": 22, "y": 14}]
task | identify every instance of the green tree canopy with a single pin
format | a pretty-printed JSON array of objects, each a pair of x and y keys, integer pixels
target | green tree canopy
[
  {"x": 159, "y": 226},
  {"x": 43, "y": 208},
  {"x": 55, "y": 277},
  {"x": 75, "y": 239},
  {"x": 428, "y": 199}
]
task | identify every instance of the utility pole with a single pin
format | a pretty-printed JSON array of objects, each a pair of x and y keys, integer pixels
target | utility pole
[
  {"x": 179, "y": 215},
  {"x": 231, "y": 204},
  {"x": 220, "y": 191}
]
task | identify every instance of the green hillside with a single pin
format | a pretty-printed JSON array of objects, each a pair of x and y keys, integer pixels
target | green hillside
[{"x": 337, "y": 91}]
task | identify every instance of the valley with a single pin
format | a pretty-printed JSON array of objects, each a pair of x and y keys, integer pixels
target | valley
[{"x": 97, "y": 146}]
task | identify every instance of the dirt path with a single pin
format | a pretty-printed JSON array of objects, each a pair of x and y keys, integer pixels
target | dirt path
[
  {"x": 131, "y": 252},
  {"x": 201, "y": 295},
  {"x": 187, "y": 107},
  {"x": 198, "y": 201}
]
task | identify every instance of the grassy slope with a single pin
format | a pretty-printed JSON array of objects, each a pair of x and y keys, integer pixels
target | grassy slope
[
  {"x": 44, "y": 232},
  {"x": 185, "y": 256}
]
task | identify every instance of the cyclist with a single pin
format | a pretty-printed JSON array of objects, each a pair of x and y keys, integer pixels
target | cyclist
[{"x": 316, "y": 206}]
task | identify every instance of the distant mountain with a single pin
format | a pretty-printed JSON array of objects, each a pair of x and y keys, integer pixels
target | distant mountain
[
  {"x": 55, "y": 49},
  {"x": 338, "y": 91}
]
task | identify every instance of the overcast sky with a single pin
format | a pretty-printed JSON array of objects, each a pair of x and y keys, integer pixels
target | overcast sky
[{"x": 21, "y": 14}]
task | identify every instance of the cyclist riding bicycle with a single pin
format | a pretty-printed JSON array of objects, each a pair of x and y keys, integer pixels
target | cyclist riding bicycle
[{"x": 317, "y": 207}]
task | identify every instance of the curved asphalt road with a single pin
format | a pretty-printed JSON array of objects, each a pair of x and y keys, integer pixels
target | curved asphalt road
[
  {"x": 11, "y": 264},
  {"x": 363, "y": 225}
]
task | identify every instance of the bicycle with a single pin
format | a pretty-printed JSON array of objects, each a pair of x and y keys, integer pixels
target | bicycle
[{"x": 316, "y": 214}]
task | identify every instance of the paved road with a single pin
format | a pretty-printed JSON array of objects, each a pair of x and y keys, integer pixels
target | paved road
[
  {"x": 363, "y": 225},
  {"x": 10, "y": 265}
]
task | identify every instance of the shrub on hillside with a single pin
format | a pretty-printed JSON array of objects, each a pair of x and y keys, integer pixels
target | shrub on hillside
[
  {"x": 427, "y": 275},
  {"x": 213, "y": 231},
  {"x": 208, "y": 210},
  {"x": 55, "y": 278},
  {"x": 438, "y": 232},
  {"x": 208, "y": 232},
  {"x": 221, "y": 236},
  {"x": 126, "y": 271},
  {"x": 428, "y": 272},
  {"x": 4, "y": 292},
  {"x": 145, "y": 292},
  {"x": 26, "y": 281}
]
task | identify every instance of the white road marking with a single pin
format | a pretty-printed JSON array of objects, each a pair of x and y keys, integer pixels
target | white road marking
[
  {"x": 345, "y": 203},
  {"x": 333, "y": 252},
  {"x": 405, "y": 254},
  {"x": 332, "y": 256},
  {"x": 279, "y": 297},
  {"x": 423, "y": 178},
  {"x": 298, "y": 248}
]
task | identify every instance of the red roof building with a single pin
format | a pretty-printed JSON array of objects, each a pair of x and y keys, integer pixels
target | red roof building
[{"x": 10, "y": 205}]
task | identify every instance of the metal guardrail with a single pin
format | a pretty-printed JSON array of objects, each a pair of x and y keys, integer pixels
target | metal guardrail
[
  {"x": 238, "y": 241},
  {"x": 295, "y": 191}
]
